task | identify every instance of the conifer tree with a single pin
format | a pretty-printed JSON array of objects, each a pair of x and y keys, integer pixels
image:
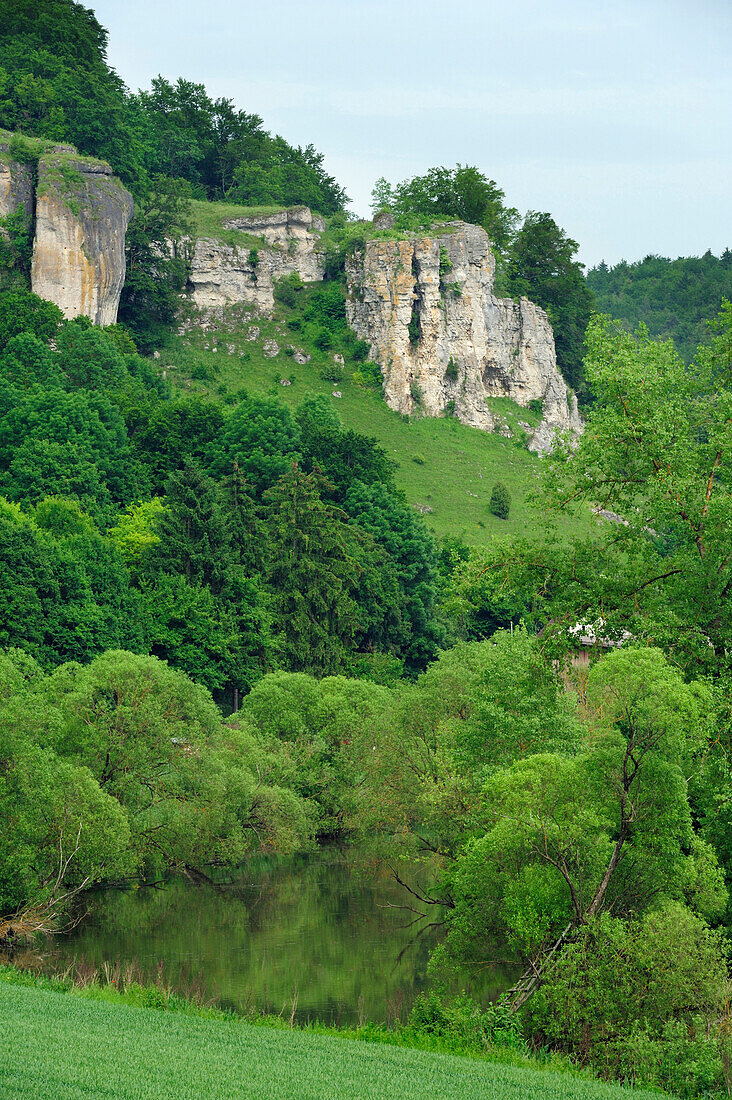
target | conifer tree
[
  {"x": 195, "y": 537},
  {"x": 310, "y": 572},
  {"x": 500, "y": 502}
]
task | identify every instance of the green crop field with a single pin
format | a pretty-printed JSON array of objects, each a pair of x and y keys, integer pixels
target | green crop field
[
  {"x": 62, "y": 1046},
  {"x": 446, "y": 469}
]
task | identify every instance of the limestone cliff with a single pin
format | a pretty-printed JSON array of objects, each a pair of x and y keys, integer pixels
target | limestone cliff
[
  {"x": 16, "y": 183},
  {"x": 445, "y": 342},
  {"x": 221, "y": 274},
  {"x": 81, "y": 217}
]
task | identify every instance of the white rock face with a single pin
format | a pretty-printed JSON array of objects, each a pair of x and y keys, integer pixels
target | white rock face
[
  {"x": 221, "y": 274},
  {"x": 465, "y": 344},
  {"x": 82, "y": 214}
]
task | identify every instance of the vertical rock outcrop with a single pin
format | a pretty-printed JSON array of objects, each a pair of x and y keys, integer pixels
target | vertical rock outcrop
[
  {"x": 445, "y": 342},
  {"x": 81, "y": 217},
  {"x": 221, "y": 274},
  {"x": 16, "y": 183}
]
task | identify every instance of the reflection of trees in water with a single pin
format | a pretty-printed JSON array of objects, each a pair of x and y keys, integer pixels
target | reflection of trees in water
[{"x": 326, "y": 929}]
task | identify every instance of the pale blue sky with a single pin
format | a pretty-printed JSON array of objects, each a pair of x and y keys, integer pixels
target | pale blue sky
[{"x": 614, "y": 117}]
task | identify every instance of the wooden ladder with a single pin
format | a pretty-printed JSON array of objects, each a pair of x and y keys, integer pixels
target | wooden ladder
[{"x": 537, "y": 971}]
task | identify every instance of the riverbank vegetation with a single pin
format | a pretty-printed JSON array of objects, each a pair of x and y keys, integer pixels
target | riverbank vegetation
[{"x": 586, "y": 811}]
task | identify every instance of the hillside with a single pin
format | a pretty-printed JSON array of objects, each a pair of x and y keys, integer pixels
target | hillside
[
  {"x": 446, "y": 469},
  {"x": 673, "y": 298}
]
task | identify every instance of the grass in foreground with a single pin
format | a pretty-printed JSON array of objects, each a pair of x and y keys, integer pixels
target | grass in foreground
[
  {"x": 89, "y": 1043},
  {"x": 68, "y": 1043}
]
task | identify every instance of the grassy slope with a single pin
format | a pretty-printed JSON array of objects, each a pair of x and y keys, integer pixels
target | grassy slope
[
  {"x": 442, "y": 465},
  {"x": 208, "y": 221},
  {"x": 61, "y": 1046}
]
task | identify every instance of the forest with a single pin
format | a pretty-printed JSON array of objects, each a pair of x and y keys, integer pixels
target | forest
[
  {"x": 675, "y": 299},
  {"x": 225, "y": 632}
]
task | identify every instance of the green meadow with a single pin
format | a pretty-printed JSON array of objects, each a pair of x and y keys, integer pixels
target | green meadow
[
  {"x": 67, "y": 1046},
  {"x": 445, "y": 469}
]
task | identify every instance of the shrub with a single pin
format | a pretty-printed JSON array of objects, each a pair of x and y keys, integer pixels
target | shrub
[
  {"x": 463, "y": 1022},
  {"x": 204, "y": 372},
  {"x": 644, "y": 999},
  {"x": 500, "y": 502},
  {"x": 332, "y": 372},
  {"x": 445, "y": 263},
  {"x": 287, "y": 288},
  {"x": 369, "y": 374},
  {"x": 451, "y": 371},
  {"x": 323, "y": 339},
  {"x": 358, "y": 349}
]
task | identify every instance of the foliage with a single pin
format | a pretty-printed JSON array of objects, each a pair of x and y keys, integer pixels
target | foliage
[
  {"x": 672, "y": 298},
  {"x": 641, "y": 999},
  {"x": 58, "y": 85},
  {"x": 157, "y": 259},
  {"x": 657, "y": 452},
  {"x": 120, "y": 763},
  {"x": 23, "y": 312},
  {"x": 319, "y": 724},
  {"x": 16, "y": 248},
  {"x": 541, "y": 266},
  {"x": 605, "y": 829},
  {"x": 225, "y": 153},
  {"x": 309, "y": 570},
  {"x": 500, "y": 502},
  {"x": 462, "y": 192}
]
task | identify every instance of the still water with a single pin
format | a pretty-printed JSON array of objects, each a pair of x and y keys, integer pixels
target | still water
[{"x": 325, "y": 935}]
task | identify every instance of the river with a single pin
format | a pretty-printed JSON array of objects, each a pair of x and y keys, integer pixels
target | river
[{"x": 321, "y": 937}]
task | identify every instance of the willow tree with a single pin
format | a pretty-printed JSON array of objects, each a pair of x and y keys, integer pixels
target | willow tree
[{"x": 568, "y": 837}]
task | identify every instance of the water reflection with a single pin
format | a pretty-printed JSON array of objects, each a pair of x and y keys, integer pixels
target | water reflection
[{"x": 323, "y": 935}]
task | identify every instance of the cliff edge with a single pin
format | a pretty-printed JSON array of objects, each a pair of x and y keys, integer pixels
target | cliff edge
[
  {"x": 444, "y": 342},
  {"x": 221, "y": 273},
  {"x": 82, "y": 214},
  {"x": 78, "y": 213}
]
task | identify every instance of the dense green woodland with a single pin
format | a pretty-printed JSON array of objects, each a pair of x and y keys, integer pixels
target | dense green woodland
[
  {"x": 224, "y": 631},
  {"x": 673, "y": 298}
]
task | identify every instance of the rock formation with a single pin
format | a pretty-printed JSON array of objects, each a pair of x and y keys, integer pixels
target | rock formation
[
  {"x": 221, "y": 274},
  {"x": 78, "y": 214},
  {"x": 16, "y": 182},
  {"x": 81, "y": 217},
  {"x": 444, "y": 342}
]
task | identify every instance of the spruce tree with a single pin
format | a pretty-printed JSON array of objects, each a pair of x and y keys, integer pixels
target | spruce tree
[
  {"x": 195, "y": 537},
  {"x": 310, "y": 573},
  {"x": 500, "y": 502}
]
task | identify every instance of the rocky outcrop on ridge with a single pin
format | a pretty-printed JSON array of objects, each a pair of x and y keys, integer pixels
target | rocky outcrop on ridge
[
  {"x": 79, "y": 213},
  {"x": 444, "y": 342},
  {"x": 16, "y": 184},
  {"x": 82, "y": 214},
  {"x": 221, "y": 274}
]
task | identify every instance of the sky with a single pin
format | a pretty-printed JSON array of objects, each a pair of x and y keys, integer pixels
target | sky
[{"x": 615, "y": 117}]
